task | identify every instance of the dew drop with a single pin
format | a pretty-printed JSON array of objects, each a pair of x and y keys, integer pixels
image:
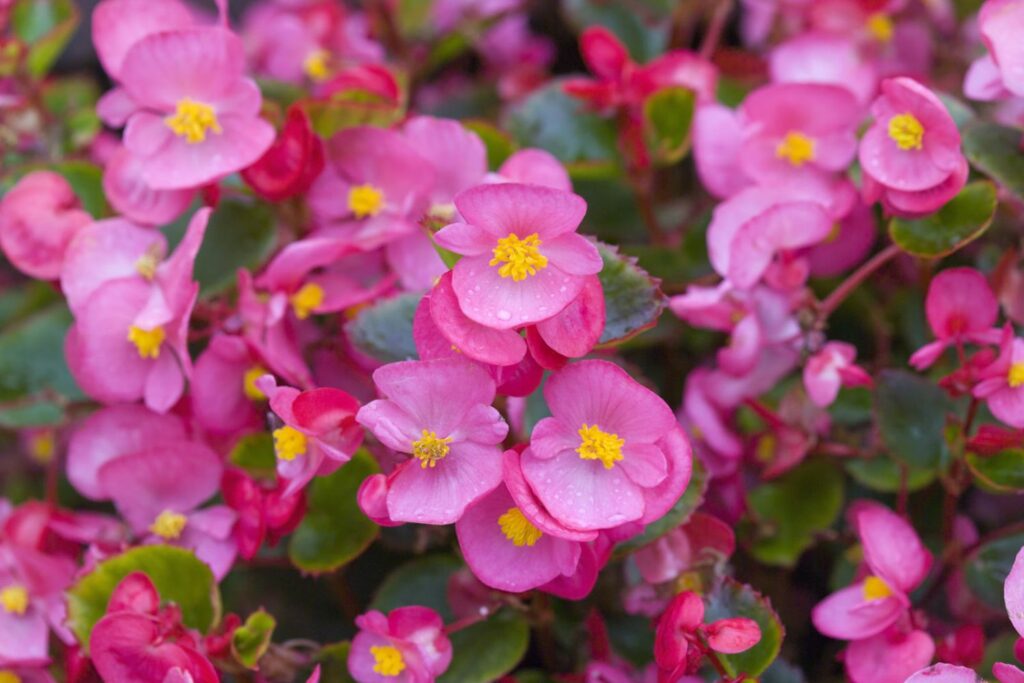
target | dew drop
[{"x": 504, "y": 315}]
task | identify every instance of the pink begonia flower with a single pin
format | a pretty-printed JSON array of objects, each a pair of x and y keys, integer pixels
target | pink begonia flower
[
  {"x": 964, "y": 645},
  {"x": 681, "y": 634},
  {"x": 225, "y": 398},
  {"x": 717, "y": 147},
  {"x": 598, "y": 461},
  {"x": 1002, "y": 382},
  {"x": 409, "y": 645},
  {"x": 702, "y": 537},
  {"x": 961, "y": 309},
  {"x": 831, "y": 368},
  {"x": 848, "y": 244},
  {"x": 523, "y": 260},
  {"x": 32, "y": 601},
  {"x": 45, "y": 527},
  {"x": 191, "y": 117},
  {"x": 896, "y": 562},
  {"x": 826, "y": 58},
  {"x": 514, "y": 56},
  {"x": 271, "y": 331},
  {"x": 439, "y": 412},
  {"x": 446, "y": 14},
  {"x": 289, "y": 167},
  {"x": 140, "y": 641},
  {"x": 39, "y": 216},
  {"x": 134, "y": 199},
  {"x": 944, "y": 673},
  {"x": 1000, "y": 73},
  {"x": 888, "y": 657},
  {"x": 265, "y": 512},
  {"x": 319, "y": 433},
  {"x": 1013, "y": 593},
  {"x": 118, "y": 24},
  {"x": 911, "y": 155},
  {"x": 709, "y": 424},
  {"x": 129, "y": 340},
  {"x": 1007, "y": 673},
  {"x": 532, "y": 166}
]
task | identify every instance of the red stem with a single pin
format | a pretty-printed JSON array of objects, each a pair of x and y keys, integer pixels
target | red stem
[{"x": 839, "y": 294}]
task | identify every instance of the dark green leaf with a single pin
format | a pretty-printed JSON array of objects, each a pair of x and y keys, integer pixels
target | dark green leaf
[
  {"x": 668, "y": 114},
  {"x": 87, "y": 181},
  {"x": 645, "y": 40},
  {"x": 383, "y": 330},
  {"x": 959, "y": 222},
  {"x": 678, "y": 514},
  {"x": 254, "y": 453},
  {"x": 486, "y": 651},
  {"x": 961, "y": 112},
  {"x": 995, "y": 151},
  {"x": 250, "y": 641},
  {"x": 423, "y": 581},
  {"x": 911, "y": 414},
  {"x": 885, "y": 475},
  {"x": 333, "y": 661},
  {"x": 32, "y": 356},
  {"x": 552, "y": 120},
  {"x": 46, "y": 25},
  {"x": 733, "y": 599},
  {"x": 239, "y": 236},
  {"x": 1003, "y": 471},
  {"x": 633, "y": 299},
  {"x": 986, "y": 568}
]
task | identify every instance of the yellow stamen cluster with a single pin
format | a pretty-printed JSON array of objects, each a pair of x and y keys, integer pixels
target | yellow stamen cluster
[
  {"x": 146, "y": 265},
  {"x": 168, "y": 525},
  {"x": 307, "y": 300},
  {"x": 430, "y": 448},
  {"x": 598, "y": 445},
  {"x": 365, "y": 200},
  {"x": 14, "y": 599},
  {"x": 876, "y": 588},
  {"x": 289, "y": 443},
  {"x": 387, "y": 660},
  {"x": 42, "y": 446},
  {"x": 880, "y": 26},
  {"x": 252, "y": 391},
  {"x": 906, "y": 131},
  {"x": 317, "y": 65},
  {"x": 8, "y": 676},
  {"x": 518, "y": 529},
  {"x": 1015, "y": 377},
  {"x": 518, "y": 258},
  {"x": 796, "y": 148},
  {"x": 147, "y": 342},
  {"x": 192, "y": 120}
]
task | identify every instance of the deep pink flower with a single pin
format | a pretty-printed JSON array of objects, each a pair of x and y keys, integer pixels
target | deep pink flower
[
  {"x": 32, "y": 602},
  {"x": 961, "y": 309},
  {"x": 964, "y": 645},
  {"x": 1013, "y": 593},
  {"x": 265, "y": 513},
  {"x": 944, "y": 673},
  {"x": 1002, "y": 382},
  {"x": 409, "y": 645},
  {"x": 291, "y": 164},
  {"x": 701, "y": 537},
  {"x": 439, "y": 412},
  {"x": 677, "y": 643},
  {"x": 831, "y": 368},
  {"x": 133, "y": 198},
  {"x": 225, "y": 398}
]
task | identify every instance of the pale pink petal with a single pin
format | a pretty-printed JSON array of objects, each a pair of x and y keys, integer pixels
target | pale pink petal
[
  {"x": 521, "y": 209},
  {"x": 535, "y": 167},
  {"x": 573, "y": 254},
  {"x": 891, "y": 546},
  {"x": 484, "y": 344},
  {"x": 888, "y": 657},
  {"x": 119, "y": 24}
]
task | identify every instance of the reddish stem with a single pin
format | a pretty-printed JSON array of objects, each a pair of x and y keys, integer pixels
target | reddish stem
[{"x": 839, "y": 294}]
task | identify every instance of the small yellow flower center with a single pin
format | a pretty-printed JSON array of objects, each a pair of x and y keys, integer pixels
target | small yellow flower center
[
  {"x": 146, "y": 265},
  {"x": 14, "y": 599},
  {"x": 1015, "y": 377},
  {"x": 518, "y": 258},
  {"x": 7, "y": 676},
  {"x": 598, "y": 445},
  {"x": 880, "y": 26},
  {"x": 796, "y": 148},
  {"x": 316, "y": 65},
  {"x": 147, "y": 341},
  {"x": 689, "y": 581},
  {"x": 192, "y": 119},
  {"x": 876, "y": 588},
  {"x": 307, "y": 299},
  {"x": 365, "y": 200},
  {"x": 518, "y": 529},
  {"x": 249, "y": 383},
  {"x": 387, "y": 660},
  {"x": 168, "y": 525},
  {"x": 906, "y": 131},
  {"x": 42, "y": 446},
  {"x": 430, "y": 448},
  {"x": 766, "y": 446},
  {"x": 289, "y": 443}
]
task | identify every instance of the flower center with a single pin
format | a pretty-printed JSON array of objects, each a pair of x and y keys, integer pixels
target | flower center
[
  {"x": 42, "y": 446},
  {"x": 146, "y": 265},
  {"x": 316, "y": 65},
  {"x": 1015, "y": 377},
  {"x": 249, "y": 387},
  {"x": 520, "y": 257},
  {"x": 880, "y": 26},
  {"x": 147, "y": 341},
  {"x": 307, "y": 299},
  {"x": 192, "y": 119},
  {"x": 518, "y": 529},
  {"x": 365, "y": 200},
  {"x": 907, "y": 131},
  {"x": 14, "y": 599},
  {"x": 289, "y": 443},
  {"x": 387, "y": 660},
  {"x": 168, "y": 525},
  {"x": 876, "y": 588},
  {"x": 7, "y": 676},
  {"x": 796, "y": 148},
  {"x": 430, "y": 448},
  {"x": 598, "y": 445}
]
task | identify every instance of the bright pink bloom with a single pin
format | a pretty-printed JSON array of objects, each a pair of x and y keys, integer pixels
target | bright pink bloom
[
  {"x": 457, "y": 155},
  {"x": 1001, "y": 72},
  {"x": 524, "y": 261},
  {"x": 409, "y": 645},
  {"x": 961, "y": 309},
  {"x": 265, "y": 513},
  {"x": 1002, "y": 383},
  {"x": 888, "y": 657},
  {"x": 681, "y": 630},
  {"x": 289, "y": 167},
  {"x": 39, "y": 216},
  {"x": 1013, "y": 593},
  {"x": 848, "y": 244},
  {"x": 598, "y": 461},
  {"x": 133, "y": 198},
  {"x": 964, "y": 645},
  {"x": 826, "y": 58},
  {"x": 118, "y": 24},
  {"x": 225, "y": 398},
  {"x": 1007, "y": 673},
  {"x": 439, "y": 412},
  {"x": 911, "y": 156},
  {"x": 945, "y": 673},
  {"x": 533, "y": 167},
  {"x": 717, "y": 147},
  {"x": 831, "y": 368},
  {"x": 32, "y": 602},
  {"x": 896, "y": 563},
  {"x": 703, "y": 536}
]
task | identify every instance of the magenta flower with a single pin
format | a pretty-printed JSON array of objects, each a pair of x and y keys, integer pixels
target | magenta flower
[
  {"x": 439, "y": 412},
  {"x": 1002, "y": 382},
  {"x": 32, "y": 602},
  {"x": 702, "y": 536},
  {"x": 225, "y": 398},
  {"x": 681, "y": 635},
  {"x": 824, "y": 57},
  {"x": 597, "y": 462},
  {"x": 911, "y": 156},
  {"x": 998, "y": 74},
  {"x": 831, "y": 368},
  {"x": 896, "y": 562},
  {"x": 944, "y": 673},
  {"x": 133, "y": 198},
  {"x": 409, "y": 645},
  {"x": 533, "y": 167},
  {"x": 523, "y": 260},
  {"x": 890, "y": 656},
  {"x": 961, "y": 309},
  {"x": 118, "y": 24}
]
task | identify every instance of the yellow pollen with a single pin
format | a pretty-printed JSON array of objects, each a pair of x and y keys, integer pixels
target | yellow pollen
[
  {"x": 1015, "y": 377},
  {"x": 880, "y": 26},
  {"x": 430, "y": 448},
  {"x": 289, "y": 443},
  {"x": 365, "y": 200},
  {"x": 766, "y": 446},
  {"x": 906, "y": 131},
  {"x": 307, "y": 299},
  {"x": 387, "y": 660},
  {"x": 14, "y": 599},
  {"x": 521, "y": 257},
  {"x": 146, "y": 265},
  {"x": 796, "y": 148},
  {"x": 168, "y": 525},
  {"x": 834, "y": 233},
  {"x": 316, "y": 65},
  {"x": 876, "y": 588},
  {"x": 7, "y": 676},
  {"x": 598, "y": 445},
  {"x": 147, "y": 341},
  {"x": 518, "y": 529},
  {"x": 689, "y": 581},
  {"x": 192, "y": 119},
  {"x": 42, "y": 446},
  {"x": 249, "y": 383}
]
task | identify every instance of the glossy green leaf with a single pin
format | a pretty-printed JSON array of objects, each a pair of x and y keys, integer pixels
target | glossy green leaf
[
  {"x": 86, "y": 180},
  {"x": 177, "y": 574},
  {"x": 423, "y": 581},
  {"x": 911, "y": 412},
  {"x": 334, "y": 531},
  {"x": 46, "y": 26},
  {"x": 552, "y": 120},
  {"x": 254, "y": 453},
  {"x": 239, "y": 235},
  {"x": 733, "y": 599},
  {"x": 250, "y": 641},
  {"x": 668, "y": 115},
  {"x": 995, "y": 151},
  {"x": 1003, "y": 471},
  {"x": 633, "y": 300},
  {"x": 883, "y": 474},
  {"x": 691, "y": 499},
  {"x": 962, "y": 220},
  {"x": 383, "y": 330},
  {"x": 486, "y": 651},
  {"x": 986, "y": 568},
  {"x": 35, "y": 413},
  {"x": 32, "y": 356}
]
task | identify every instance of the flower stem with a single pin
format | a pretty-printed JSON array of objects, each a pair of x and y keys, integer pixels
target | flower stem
[{"x": 839, "y": 294}]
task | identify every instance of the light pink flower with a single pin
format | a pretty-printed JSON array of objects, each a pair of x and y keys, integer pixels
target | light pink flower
[
  {"x": 944, "y": 673},
  {"x": 1000, "y": 73},
  {"x": 890, "y": 656},
  {"x": 961, "y": 309},
  {"x": 32, "y": 602},
  {"x": 831, "y": 368},
  {"x": 533, "y": 167},
  {"x": 133, "y": 198},
  {"x": 827, "y": 58},
  {"x": 409, "y": 645},
  {"x": 225, "y": 398},
  {"x": 1013, "y": 593},
  {"x": 118, "y": 24},
  {"x": 717, "y": 147},
  {"x": 703, "y": 537},
  {"x": 1002, "y": 382}
]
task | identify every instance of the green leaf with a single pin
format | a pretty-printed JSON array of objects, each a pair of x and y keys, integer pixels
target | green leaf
[
  {"x": 885, "y": 475},
  {"x": 383, "y": 330},
  {"x": 46, "y": 25},
  {"x": 733, "y": 599},
  {"x": 633, "y": 300},
  {"x": 240, "y": 235},
  {"x": 349, "y": 109},
  {"x": 39, "y": 413},
  {"x": 32, "y": 356},
  {"x": 668, "y": 115},
  {"x": 250, "y": 641},
  {"x": 995, "y": 151},
  {"x": 87, "y": 181},
  {"x": 177, "y": 574},
  {"x": 423, "y": 581},
  {"x": 333, "y": 661},
  {"x": 961, "y": 221},
  {"x": 691, "y": 499},
  {"x": 497, "y": 142},
  {"x": 552, "y": 120},
  {"x": 791, "y": 510},
  {"x": 911, "y": 414},
  {"x": 254, "y": 453},
  {"x": 334, "y": 531},
  {"x": 486, "y": 651},
  {"x": 1003, "y": 471},
  {"x": 986, "y": 569}
]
